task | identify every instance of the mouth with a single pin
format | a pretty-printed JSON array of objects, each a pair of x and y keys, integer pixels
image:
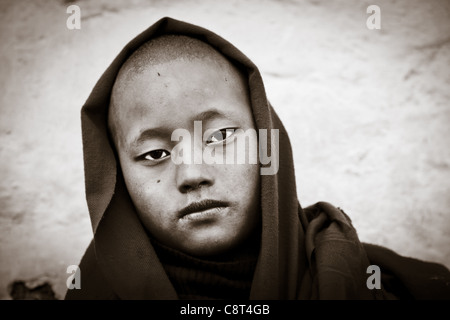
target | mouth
[{"x": 202, "y": 209}]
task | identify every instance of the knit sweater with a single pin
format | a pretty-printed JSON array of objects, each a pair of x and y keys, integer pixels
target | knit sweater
[{"x": 195, "y": 278}]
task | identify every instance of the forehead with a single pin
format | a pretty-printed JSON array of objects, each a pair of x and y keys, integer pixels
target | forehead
[{"x": 172, "y": 94}]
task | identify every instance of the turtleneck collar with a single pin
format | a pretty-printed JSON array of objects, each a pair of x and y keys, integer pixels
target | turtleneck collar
[{"x": 199, "y": 278}]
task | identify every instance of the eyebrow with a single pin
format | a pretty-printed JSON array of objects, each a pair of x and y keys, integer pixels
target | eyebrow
[
  {"x": 210, "y": 114},
  {"x": 162, "y": 132},
  {"x": 158, "y": 132}
]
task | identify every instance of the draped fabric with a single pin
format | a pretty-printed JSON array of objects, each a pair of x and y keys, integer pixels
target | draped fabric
[{"x": 311, "y": 253}]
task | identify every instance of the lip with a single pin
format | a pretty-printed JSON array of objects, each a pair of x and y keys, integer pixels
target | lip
[{"x": 202, "y": 208}]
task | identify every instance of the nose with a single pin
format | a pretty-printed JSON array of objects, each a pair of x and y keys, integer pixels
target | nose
[{"x": 191, "y": 177}]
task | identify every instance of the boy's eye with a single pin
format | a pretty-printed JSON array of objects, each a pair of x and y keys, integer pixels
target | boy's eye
[
  {"x": 220, "y": 135},
  {"x": 156, "y": 154}
]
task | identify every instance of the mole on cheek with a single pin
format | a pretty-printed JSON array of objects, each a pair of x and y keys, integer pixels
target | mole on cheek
[{"x": 158, "y": 181}]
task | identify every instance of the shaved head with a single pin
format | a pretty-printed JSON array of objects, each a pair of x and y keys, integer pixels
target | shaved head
[{"x": 166, "y": 49}]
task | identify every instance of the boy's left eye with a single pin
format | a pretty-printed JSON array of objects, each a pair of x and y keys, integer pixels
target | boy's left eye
[
  {"x": 156, "y": 155},
  {"x": 220, "y": 135}
]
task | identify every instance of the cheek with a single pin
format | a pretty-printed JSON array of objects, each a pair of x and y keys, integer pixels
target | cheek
[
  {"x": 152, "y": 203},
  {"x": 140, "y": 190},
  {"x": 146, "y": 191},
  {"x": 242, "y": 180},
  {"x": 251, "y": 176}
]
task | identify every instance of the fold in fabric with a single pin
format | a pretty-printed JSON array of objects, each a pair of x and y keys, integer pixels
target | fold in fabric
[{"x": 311, "y": 253}]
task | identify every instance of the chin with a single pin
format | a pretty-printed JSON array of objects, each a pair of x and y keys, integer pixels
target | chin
[{"x": 210, "y": 246}]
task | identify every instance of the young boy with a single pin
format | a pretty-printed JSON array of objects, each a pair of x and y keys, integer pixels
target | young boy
[{"x": 173, "y": 220}]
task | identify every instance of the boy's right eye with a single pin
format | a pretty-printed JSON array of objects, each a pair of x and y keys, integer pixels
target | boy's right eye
[{"x": 156, "y": 155}]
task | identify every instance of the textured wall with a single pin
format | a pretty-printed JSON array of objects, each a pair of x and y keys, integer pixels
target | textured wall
[{"x": 368, "y": 113}]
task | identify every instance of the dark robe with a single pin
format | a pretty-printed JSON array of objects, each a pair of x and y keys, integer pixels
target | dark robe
[{"x": 302, "y": 253}]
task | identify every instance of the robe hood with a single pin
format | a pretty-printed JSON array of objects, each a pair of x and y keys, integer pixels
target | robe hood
[
  {"x": 294, "y": 257},
  {"x": 119, "y": 236}
]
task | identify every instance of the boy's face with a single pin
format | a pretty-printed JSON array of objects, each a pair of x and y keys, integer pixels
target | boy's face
[{"x": 200, "y": 209}]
